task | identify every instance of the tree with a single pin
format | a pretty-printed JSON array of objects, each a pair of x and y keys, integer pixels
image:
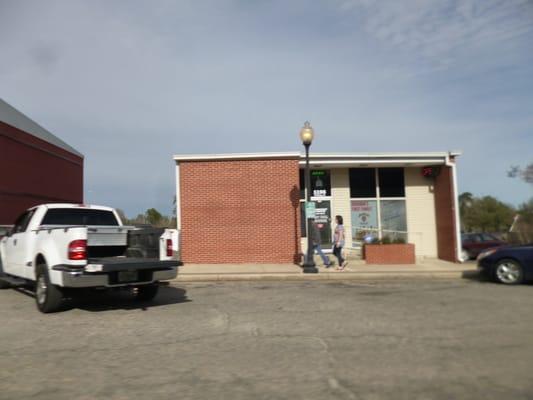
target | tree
[
  {"x": 153, "y": 216},
  {"x": 485, "y": 214},
  {"x": 526, "y": 173},
  {"x": 465, "y": 202}
]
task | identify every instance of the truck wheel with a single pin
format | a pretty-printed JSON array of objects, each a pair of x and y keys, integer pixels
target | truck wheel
[
  {"x": 146, "y": 292},
  {"x": 4, "y": 285},
  {"x": 47, "y": 296}
]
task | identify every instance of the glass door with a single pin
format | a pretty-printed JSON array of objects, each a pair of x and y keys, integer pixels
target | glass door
[{"x": 323, "y": 221}]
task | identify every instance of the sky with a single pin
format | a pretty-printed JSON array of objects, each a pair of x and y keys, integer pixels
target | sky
[{"x": 131, "y": 83}]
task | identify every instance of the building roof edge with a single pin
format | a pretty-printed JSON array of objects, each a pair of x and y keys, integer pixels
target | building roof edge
[{"x": 11, "y": 116}]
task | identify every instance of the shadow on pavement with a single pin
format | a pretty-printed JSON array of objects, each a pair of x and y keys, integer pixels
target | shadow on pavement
[
  {"x": 125, "y": 300},
  {"x": 476, "y": 276},
  {"x": 120, "y": 299}
]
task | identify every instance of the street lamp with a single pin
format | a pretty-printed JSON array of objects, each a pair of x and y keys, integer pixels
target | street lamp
[{"x": 307, "y": 134}]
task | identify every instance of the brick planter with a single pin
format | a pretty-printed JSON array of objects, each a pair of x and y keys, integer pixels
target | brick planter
[{"x": 390, "y": 253}]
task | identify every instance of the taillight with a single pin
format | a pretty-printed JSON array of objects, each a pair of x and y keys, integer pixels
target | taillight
[
  {"x": 77, "y": 250},
  {"x": 169, "y": 247}
]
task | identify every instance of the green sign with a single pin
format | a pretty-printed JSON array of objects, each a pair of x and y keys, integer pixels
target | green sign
[
  {"x": 310, "y": 209},
  {"x": 318, "y": 173}
]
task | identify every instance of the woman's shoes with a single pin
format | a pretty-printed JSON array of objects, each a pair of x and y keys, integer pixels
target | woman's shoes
[{"x": 342, "y": 267}]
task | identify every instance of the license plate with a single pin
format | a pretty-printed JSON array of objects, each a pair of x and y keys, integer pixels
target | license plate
[{"x": 128, "y": 276}]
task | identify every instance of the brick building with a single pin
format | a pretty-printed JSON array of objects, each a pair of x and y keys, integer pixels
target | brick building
[
  {"x": 35, "y": 166},
  {"x": 249, "y": 208}
]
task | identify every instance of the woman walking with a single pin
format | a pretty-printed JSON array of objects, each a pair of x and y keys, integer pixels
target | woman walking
[{"x": 338, "y": 242}]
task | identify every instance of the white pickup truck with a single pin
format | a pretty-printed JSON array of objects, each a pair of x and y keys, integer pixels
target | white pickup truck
[{"x": 59, "y": 247}]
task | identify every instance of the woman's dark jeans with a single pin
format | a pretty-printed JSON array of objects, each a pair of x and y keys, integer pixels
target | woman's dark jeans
[{"x": 337, "y": 251}]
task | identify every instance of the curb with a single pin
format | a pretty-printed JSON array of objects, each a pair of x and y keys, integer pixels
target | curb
[{"x": 324, "y": 276}]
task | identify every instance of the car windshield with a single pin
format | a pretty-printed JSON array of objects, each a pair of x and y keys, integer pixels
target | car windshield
[
  {"x": 487, "y": 237},
  {"x": 79, "y": 216}
]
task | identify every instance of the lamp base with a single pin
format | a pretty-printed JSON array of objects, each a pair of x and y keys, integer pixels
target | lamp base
[{"x": 310, "y": 268}]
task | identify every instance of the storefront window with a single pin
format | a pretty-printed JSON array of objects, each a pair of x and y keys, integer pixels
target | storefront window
[
  {"x": 362, "y": 182},
  {"x": 374, "y": 214},
  {"x": 391, "y": 182},
  {"x": 320, "y": 183},
  {"x": 393, "y": 218}
]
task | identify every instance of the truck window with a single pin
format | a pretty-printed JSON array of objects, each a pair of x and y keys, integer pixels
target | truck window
[
  {"x": 79, "y": 216},
  {"x": 21, "y": 224}
]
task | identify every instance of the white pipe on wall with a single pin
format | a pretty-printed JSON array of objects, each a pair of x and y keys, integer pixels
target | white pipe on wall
[{"x": 458, "y": 245}]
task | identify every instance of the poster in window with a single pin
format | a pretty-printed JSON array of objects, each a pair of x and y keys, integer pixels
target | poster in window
[{"x": 364, "y": 214}]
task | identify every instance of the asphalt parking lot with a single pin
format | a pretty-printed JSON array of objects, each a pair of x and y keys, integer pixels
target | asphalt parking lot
[{"x": 275, "y": 340}]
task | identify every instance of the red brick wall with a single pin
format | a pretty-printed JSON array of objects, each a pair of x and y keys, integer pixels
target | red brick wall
[
  {"x": 390, "y": 253},
  {"x": 33, "y": 171},
  {"x": 445, "y": 215},
  {"x": 244, "y": 211}
]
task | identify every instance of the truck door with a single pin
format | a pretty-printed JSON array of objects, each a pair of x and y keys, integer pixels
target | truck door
[{"x": 16, "y": 247}]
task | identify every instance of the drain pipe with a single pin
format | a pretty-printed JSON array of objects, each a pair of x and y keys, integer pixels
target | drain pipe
[{"x": 458, "y": 246}]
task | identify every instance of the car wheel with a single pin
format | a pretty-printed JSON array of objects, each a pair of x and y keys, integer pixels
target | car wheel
[
  {"x": 47, "y": 296},
  {"x": 509, "y": 272},
  {"x": 465, "y": 255},
  {"x": 146, "y": 292}
]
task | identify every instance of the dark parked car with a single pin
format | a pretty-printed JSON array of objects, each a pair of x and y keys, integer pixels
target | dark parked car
[
  {"x": 508, "y": 264},
  {"x": 475, "y": 243}
]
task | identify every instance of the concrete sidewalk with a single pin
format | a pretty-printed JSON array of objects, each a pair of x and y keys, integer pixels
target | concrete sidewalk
[{"x": 356, "y": 269}]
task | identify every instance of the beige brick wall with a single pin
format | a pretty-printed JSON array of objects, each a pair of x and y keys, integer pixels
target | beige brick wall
[{"x": 420, "y": 209}]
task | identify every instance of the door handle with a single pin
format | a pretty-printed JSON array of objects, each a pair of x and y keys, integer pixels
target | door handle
[{"x": 14, "y": 242}]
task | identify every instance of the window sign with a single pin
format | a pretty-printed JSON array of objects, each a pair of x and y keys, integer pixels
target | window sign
[
  {"x": 364, "y": 219},
  {"x": 310, "y": 209},
  {"x": 323, "y": 221},
  {"x": 365, "y": 214},
  {"x": 320, "y": 183}
]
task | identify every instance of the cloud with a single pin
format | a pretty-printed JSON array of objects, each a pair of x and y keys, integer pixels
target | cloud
[{"x": 438, "y": 30}]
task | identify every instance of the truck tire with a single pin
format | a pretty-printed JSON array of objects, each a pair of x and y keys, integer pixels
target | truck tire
[
  {"x": 146, "y": 292},
  {"x": 3, "y": 284},
  {"x": 47, "y": 296}
]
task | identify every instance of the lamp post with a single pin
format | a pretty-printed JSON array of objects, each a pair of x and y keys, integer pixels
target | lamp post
[{"x": 307, "y": 134}]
